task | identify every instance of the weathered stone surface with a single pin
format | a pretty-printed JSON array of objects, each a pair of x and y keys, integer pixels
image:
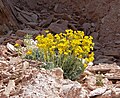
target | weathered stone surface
[
  {"x": 32, "y": 24},
  {"x": 58, "y": 27},
  {"x": 20, "y": 42},
  {"x": 22, "y": 33},
  {"x": 95, "y": 35},
  {"x": 117, "y": 42},
  {"x": 103, "y": 60},
  {"x": 71, "y": 89},
  {"x": 86, "y": 27},
  {"x": 58, "y": 73},
  {"x": 115, "y": 53},
  {"x": 97, "y": 91},
  {"x": 72, "y": 27},
  {"x": 102, "y": 67},
  {"x": 46, "y": 22},
  {"x": 46, "y": 84}
]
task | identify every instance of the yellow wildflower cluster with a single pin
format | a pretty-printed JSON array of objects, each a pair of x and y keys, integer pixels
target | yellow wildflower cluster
[{"x": 70, "y": 43}]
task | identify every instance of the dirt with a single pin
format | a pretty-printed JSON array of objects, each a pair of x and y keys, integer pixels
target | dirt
[{"x": 99, "y": 18}]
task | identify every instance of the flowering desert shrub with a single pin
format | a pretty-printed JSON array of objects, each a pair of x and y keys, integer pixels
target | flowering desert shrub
[{"x": 70, "y": 51}]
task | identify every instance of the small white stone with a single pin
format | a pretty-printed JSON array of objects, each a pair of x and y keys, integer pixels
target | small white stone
[{"x": 10, "y": 47}]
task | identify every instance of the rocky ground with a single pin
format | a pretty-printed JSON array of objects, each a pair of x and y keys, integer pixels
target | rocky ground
[
  {"x": 22, "y": 78},
  {"x": 99, "y": 18}
]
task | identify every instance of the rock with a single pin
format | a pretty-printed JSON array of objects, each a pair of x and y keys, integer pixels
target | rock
[
  {"x": 108, "y": 92},
  {"x": 4, "y": 52},
  {"x": 117, "y": 34},
  {"x": 32, "y": 24},
  {"x": 10, "y": 47},
  {"x": 95, "y": 35},
  {"x": 71, "y": 89},
  {"x": 10, "y": 87},
  {"x": 3, "y": 29},
  {"x": 64, "y": 17},
  {"x": 58, "y": 72},
  {"x": 97, "y": 91},
  {"x": 92, "y": 29},
  {"x": 21, "y": 18},
  {"x": 83, "y": 93},
  {"x": 45, "y": 84},
  {"x": 86, "y": 27},
  {"x": 25, "y": 65},
  {"x": 99, "y": 68},
  {"x": 55, "y": 8},
  {"x": 20, "y": 42},
  {"x": 112, "y": 76},
  {"x": 114, "y": 53},
  {"x": 34, "y": 18},
  {"x": 93, "y": 24},
  {"x": 46, "y": 22},
  {"x": 58, "y": 27},
  {"x": 91, "y": 82},
  {"x": 106, "y": 57},
  {"x": 22, "y": 33},
  {"x": 103, "y": 20},
  {"x": 103, "y": 60},
  {"x": 15, "y": 60},
  {"x": 96, "y": 47},
  {"x": 117, "y": 42},
  {"x": 72, "y": 27},
  {"x": 116, "y": 91},
  {"x": 67, "y": 17},
  {"x": 1, "y": 40},
  {"x": 44, "y": 11},
  {"x": 86, "y": 72}
]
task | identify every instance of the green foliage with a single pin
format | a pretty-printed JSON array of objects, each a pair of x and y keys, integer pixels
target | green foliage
[{"x": 99, "y": 79}]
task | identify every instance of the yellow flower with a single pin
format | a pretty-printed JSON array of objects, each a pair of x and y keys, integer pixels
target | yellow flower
[
  {"x": 86, "y": 48},
  {"x": 57, "y": 37},
  {"x": 66, "y": 53},
  {"x": 69, "y": 31},
  {"x": 85, "y": 65},
  {"x": 61, "y": 35},
  {"x": 91, "y": 59},
  {"x": 81, "y": 34},
  {"x": 52, "y": 51},
  {"x": 86, "y": 37},
  {"x": 50, "y": 36},
  {"x": 39, "y": 37},
  {"x": 86, "y": 59},
  {"x": 80, "y": 56},
  {"x": 75, "y": 42},
  {"x": 90, "y": 37},
  {"x": 29, "y": 52},
  {"x": 60, "y": 51},
  {"x": 47, "y": 31},
  {"x": 17, "y": 45}
]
